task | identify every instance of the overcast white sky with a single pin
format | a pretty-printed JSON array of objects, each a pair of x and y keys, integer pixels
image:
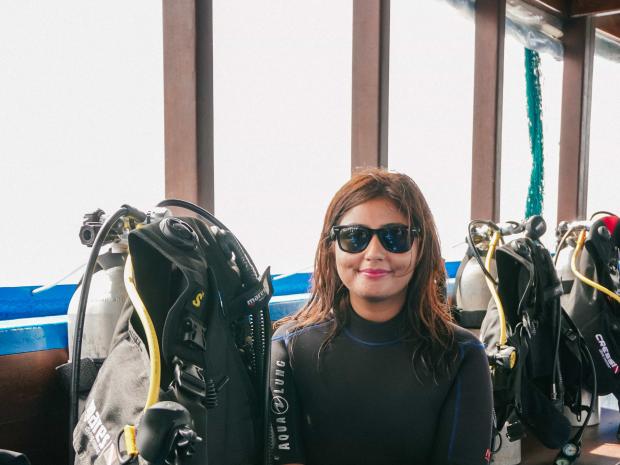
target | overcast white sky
[{"x": 81, "y": 126}]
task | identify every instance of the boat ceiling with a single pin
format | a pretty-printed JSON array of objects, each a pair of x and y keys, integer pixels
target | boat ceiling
[{"x": 606, "y": 13}]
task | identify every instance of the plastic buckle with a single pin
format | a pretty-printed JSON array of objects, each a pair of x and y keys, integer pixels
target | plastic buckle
[
  {"x": 194, "y": 334},
  {"x": 190, "y": 378}
]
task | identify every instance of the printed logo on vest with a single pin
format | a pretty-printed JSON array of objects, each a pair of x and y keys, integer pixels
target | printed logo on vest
[
  {"x": 95, "y": 429},
  {"x": 198, "y": 299},
  {"x": 279, "y": 405},
  {"x": 604, "y": 351}
]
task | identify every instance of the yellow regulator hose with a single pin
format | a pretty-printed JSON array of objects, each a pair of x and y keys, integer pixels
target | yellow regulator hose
[
  {"x": 573, "y": 265},
  {"x": 149, "y": 330},
  {"x": 500, "y": 308}
]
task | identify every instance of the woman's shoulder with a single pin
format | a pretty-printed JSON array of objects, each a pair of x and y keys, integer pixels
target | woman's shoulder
[
  {"x": 466, "y": 341},
  {"x": 292, "y": 329}
]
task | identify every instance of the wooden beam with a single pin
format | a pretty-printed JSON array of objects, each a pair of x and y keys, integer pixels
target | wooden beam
[
  {"x": 575, "y": 123},
  {"x": 594, "y": 8},
  {"x": 370, "y": 81},
  {"x": 488, "y": 94},
  {"x": 555, "y": 7},
  {"x": 609, "y": 25},
  {"x": 188, "y": 100}
]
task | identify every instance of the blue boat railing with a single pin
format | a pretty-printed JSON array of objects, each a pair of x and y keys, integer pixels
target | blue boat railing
[{"x": 33, "y": 322}]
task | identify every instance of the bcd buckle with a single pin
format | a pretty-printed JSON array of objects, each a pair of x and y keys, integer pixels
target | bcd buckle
[
  {"x": 189, "y": 378},
  {"x": 194, "y": 333}
]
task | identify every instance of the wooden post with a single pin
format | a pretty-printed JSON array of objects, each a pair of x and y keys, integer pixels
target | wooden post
[
  {"x": 490, "y": 18},
  {"x": 369, "y": 118},
  {"x": 188, "y": 100},
  {"x": 575, "y": 123}
]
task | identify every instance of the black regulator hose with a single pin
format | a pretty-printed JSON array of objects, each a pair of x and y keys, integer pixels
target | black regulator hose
[
  {"x": 470, "y": 242},
  {"x": 572, "y": 449},
  {"x": 245, "y": 262},
  {"x": 125, "y": 210},
  {"x": 262, "y": 327}
]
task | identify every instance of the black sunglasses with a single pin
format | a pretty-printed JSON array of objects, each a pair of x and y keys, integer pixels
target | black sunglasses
[{"x": 395, "y": 238}]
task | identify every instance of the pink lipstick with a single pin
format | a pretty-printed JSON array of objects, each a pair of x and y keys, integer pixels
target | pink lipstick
[{"x": 374, "y": 272}]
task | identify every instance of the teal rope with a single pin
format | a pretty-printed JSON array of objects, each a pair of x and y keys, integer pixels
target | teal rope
[{"x": 535, "y": 194}]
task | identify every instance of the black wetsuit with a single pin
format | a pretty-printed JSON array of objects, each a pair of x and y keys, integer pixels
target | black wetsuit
[{"x": 364, "y": 405}]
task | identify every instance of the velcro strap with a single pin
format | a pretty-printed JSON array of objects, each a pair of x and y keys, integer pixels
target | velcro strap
[
  {"x": 567, "y": 286},
  {"x": 470, "y": 319},
  {"x": 89, "y": 368}
]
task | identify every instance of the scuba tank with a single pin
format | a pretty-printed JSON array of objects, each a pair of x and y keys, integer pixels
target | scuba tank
[
  {"x": 471, "y": 295},
  {"x": 475, "y": 294},
  {"x": 566, "y": 239},
  {"x": 506, "y": 448},
  {"x": 106, "y": 298},
  {"x": 106, "y": 294}
]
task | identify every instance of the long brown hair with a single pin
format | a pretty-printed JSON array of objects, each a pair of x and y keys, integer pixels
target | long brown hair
[{"x": 428, "y": 322}]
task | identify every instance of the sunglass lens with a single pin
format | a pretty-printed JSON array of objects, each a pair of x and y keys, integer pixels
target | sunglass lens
[
  {"x": 396, "y": 239},
  {"x": 354, "y": 239}
]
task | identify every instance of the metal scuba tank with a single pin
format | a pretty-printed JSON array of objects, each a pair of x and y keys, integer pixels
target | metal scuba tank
[
  {"x": 565, "y": 242},
  {"x": 472, "y": 292},
  {"x": 470, "y": 296},
  {"x": 567, "y": 278},
  {"x": 106, "y": 297},
  {"x": 106, "y": 293}
]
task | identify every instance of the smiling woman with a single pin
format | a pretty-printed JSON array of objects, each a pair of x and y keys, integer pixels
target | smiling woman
[
  {"x": 376, "y": 279},
  {"x": 371, "y": 370}
]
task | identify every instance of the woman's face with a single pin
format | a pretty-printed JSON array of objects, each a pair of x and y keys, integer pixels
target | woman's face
[{"x": 375, "y": 277}]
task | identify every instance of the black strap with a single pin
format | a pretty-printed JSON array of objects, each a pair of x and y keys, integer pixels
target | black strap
[
  {"x": 470, "y": 319},
  {"x": 89, "y": 368},
  {"x": 188, "y": 389}
]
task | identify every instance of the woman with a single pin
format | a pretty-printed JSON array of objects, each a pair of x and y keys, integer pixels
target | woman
[{"x": 371, "y": 370}]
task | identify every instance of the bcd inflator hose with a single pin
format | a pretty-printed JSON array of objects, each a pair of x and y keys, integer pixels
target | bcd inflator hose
[
  {"x": 580, "y": 243},
  {"x": 101, "y": 238},
  {"x": 149, "y": 331}
]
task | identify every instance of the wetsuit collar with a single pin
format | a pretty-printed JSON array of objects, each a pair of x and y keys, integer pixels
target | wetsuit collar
[{"x": 373, "y": 332}]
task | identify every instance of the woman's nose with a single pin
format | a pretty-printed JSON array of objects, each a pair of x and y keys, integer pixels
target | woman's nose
[{"x": 374, "y": 250}]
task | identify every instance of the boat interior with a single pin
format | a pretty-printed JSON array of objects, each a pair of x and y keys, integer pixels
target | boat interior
[{"x": 34, "y": 414}]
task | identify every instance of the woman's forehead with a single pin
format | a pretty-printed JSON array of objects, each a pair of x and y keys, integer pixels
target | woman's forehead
[{"x": 374, "y": 213}]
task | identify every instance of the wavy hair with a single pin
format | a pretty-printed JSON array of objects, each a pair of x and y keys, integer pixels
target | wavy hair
[{"x": 428, "y": 323}]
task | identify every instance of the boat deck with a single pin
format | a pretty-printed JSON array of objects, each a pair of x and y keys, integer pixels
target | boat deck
[{"x": 600, "y": 446}]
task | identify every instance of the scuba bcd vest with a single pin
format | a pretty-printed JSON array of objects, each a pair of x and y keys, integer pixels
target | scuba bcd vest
[
  {"x": 198, "y": 307},
  {"x": 539, "y": 366},
  {"x": 595, "y": 312}
]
